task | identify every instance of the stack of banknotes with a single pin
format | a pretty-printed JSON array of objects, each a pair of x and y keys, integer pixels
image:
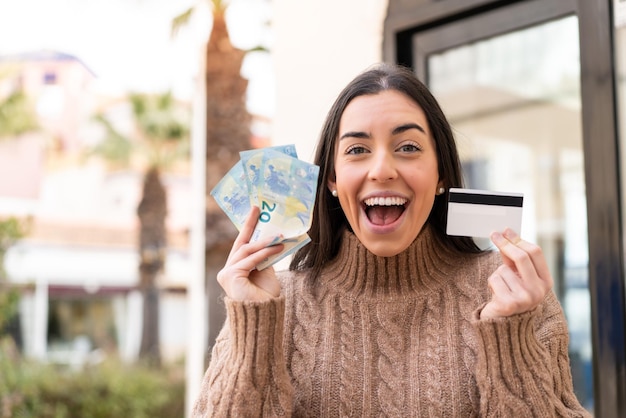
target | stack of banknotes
[{"x": 282, "y": 186}]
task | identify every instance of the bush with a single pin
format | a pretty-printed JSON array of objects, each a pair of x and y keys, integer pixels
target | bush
[
  {"x": 11, "y": 230},
  {"x": 110, "y": 389}
]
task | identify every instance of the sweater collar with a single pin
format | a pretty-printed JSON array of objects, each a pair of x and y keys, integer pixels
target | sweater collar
[{"x": 423, "y": 267}]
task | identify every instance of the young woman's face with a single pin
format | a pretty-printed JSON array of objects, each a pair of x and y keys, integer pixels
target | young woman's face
[{"x": 386, "y": 172}]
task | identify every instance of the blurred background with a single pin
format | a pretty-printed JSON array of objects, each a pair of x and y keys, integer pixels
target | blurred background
[{"x": 117, "y": 118}]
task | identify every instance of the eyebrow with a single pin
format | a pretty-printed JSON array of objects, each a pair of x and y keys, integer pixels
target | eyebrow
[
  {"x": 354, "y": 134},
  {"x": 406, "y": 127},
  {"x": 397, "y": 130}
]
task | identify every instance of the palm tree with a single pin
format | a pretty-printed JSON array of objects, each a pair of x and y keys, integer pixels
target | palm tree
[
  {"x": 227, "y": 133},
  {"x": 160, "y": 138}
]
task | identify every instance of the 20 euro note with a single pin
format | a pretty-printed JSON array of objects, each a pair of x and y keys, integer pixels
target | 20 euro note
[
  {"x": 233, "y": 192},
  {"x": 286, "y": 189},
  {"x": 231, "y": 195},
  {"x": 239, "y": 190},
  {"x": 252, "y": 161}
]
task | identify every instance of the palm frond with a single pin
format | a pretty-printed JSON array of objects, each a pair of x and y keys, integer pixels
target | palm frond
[
  {"x": 115, "y": 148},
  {"x": 181, "y": 21},
  {"x": 161, "y": 125},
  {"x": 219, "y": 6},
  {"x": 258, "y": 48}
]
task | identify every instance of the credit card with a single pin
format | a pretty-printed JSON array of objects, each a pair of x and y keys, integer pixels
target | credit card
[{"x": 478, "y": 213}]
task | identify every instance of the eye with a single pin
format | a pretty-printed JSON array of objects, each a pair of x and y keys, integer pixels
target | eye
[
  {"x": 409, "y": 147},
  {"x": 356, "y": 149}
]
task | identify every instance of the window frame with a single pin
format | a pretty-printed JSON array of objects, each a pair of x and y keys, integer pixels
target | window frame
[{"x": 600, "y": 145}]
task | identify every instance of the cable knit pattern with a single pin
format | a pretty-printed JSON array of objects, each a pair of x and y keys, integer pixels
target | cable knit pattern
[
  {"x": 304, "y": 338},
  {"x": 468, "y": 348},
  {"x": 390, "y": 337},
  {"x": 347, "y": 385},
  {"x": 391, "y": 343}
]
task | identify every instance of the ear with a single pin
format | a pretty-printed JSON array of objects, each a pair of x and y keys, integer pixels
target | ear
[
  {"x": 440, "y": 186},
  {"x": 331, "y": 185}
]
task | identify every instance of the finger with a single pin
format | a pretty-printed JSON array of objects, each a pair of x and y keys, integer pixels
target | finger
[
  {"x": 524, "y": 293},
  {"x": 508, "y": 293},
  {"x": 245, "y": 233},
  {"x": 510, "y": 278},
  {"x": 267, "y": 282},
  {"x": 521, "y": 256},
  {"x": 498, "y": 285},
  {"x": 256, "y": 251},
  {"x": 248, "y": 227},
  {"x": 500, "y": 241},
  {"x": 501, "y": 295},
  {"x": 251, "y": 258},
  {"x": 533, "y": 250},
  {"x": 242, "y": 266}
]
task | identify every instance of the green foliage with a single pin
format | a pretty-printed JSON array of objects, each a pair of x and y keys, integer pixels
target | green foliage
[
  {"x": 116, "y": 148},
  {"x": 158, "y": 117},
  {"x": 9, "y": 299},
  {"x": 182, "y": 20},
  {"x": 160, "y": 137},
  {"x": 111, "y": 389},
  {"x": 16, "y": 115},
  {"x": 218, "y": 8},
  {"x": 11, "y": 230}
]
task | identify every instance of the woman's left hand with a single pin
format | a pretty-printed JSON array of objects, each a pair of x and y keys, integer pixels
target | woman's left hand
[{"x": 521, "y": 282}]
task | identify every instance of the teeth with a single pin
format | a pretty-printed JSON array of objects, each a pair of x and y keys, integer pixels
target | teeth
[{"x": 385, "y": 201}]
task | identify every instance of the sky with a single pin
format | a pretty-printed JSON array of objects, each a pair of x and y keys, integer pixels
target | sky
[{"x": 129, "y": 46}]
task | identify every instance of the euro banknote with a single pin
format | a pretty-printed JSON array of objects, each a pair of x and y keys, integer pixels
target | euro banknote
[
  {"x": 233, "y": 193},
  {"x": 252, "y": 161},
  {"x": 284, "y": 189}
]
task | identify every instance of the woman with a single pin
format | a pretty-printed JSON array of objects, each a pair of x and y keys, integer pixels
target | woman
[{"x": 383, "y": 314}]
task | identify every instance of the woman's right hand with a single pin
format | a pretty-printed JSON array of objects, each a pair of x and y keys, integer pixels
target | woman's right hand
[{"x": 239, "y": 278}]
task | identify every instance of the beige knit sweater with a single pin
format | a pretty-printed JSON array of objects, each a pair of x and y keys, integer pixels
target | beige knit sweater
[{"x": 392, "y": 337}]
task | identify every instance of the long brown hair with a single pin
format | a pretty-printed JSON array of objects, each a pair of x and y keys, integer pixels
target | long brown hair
[{"x": 328, "y": 220}]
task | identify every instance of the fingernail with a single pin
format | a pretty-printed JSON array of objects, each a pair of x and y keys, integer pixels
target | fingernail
[
  {"x": 497, "y": 237},
  {"x": 510, "y": 234}
]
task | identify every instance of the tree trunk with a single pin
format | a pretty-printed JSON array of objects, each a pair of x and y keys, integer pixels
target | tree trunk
[
  {"x": 228, "y": 120},
  {"x": 228, "y": 133},
  {"x": 152, "y": 249}
]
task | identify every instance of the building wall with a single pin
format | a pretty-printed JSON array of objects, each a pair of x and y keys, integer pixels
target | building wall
[
  {"x": 319, "y": 47},
  {"x": 80, "y": 246}
]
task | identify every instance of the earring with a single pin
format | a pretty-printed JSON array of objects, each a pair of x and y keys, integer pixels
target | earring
[
  {"x": 334, "y": 192},
  {"x": 441, "y": 190}
]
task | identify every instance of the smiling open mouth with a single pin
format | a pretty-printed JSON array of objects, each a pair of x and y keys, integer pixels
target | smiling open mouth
[{"x": 384, "y": 210}]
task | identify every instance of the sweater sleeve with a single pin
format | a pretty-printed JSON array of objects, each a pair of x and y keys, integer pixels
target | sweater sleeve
[
  {"x": 247, "y": 374},
  {"x": 523, "y": 366}
]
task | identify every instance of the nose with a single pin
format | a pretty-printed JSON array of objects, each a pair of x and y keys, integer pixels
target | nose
[{"x": 382, "y": 167}]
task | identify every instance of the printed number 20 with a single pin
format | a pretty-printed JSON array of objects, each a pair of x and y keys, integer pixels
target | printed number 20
[{"x": 265, "y": 212}]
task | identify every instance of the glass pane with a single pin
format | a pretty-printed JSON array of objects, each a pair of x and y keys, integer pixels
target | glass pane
[{"x": 514, "y": 104}]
